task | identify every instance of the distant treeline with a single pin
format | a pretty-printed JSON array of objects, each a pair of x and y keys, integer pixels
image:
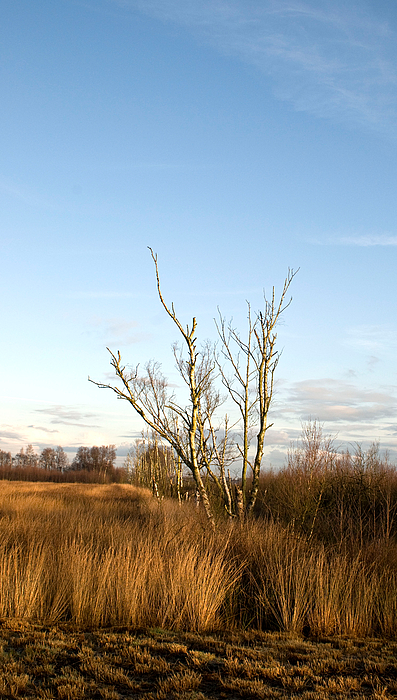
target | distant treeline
[
  {"x": 329, "y": 496},
  {"x": 90, "y": 465}
]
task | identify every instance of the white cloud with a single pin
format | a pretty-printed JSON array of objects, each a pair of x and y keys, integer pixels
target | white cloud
[
  {"x": 279, "y": 437},
  {"x": 327, "y": 59},
  {"x": 338, "y": 401},
  {"x": 275, "y": 459}
]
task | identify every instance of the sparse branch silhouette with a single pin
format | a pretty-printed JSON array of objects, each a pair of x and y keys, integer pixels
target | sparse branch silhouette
[{"x": 206, "y": 443}]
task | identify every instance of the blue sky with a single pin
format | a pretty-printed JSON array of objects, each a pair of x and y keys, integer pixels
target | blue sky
[{"x": 237, "y": 138}]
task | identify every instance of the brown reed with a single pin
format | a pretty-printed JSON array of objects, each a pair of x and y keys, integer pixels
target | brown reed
[{"x": 101, "y": 555}]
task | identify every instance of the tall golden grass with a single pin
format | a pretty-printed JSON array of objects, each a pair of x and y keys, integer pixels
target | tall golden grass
[
  {"x": 106, "y": 555},
  {"x": 98, "y": 555}
]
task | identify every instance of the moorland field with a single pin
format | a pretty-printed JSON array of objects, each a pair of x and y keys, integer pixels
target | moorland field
[{"x": 107, "y": 592}]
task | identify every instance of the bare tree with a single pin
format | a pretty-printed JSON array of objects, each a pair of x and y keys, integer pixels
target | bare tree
[
  {"x": 5, "y": 459},
  {"x": 53, "y": 458},
  {"x": 96, "y": 459},
  {"x": 250, "y": 384},
  {"x": 47, "y": 458},
  {"x": 61, "y": 459},
  {"x": 26, "y": 459},
  {"x": 201, "y": 441},
  {"x": 152, "y": 464}
]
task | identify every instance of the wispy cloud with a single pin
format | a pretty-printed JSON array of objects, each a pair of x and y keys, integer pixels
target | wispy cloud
[
  {"x": 279, "y": 437},
  {"x": 11, "y": 435},
  {"x": 64, "y": 415},
  {"x": 44, "y": 430},
  {"x": 117, "y": 331},
  {"x": 364, "y": 241},
  {"x": 328, "y": 59},
  {"x": 372, "y": 362},
  {"x": 101, "y": 295},
  {"x": 275, "y": 458},
  {"x": 373, "y": 338},
  {"x": 24, "y": 194},
  {"x": 339, "y": 401},
  {"x": 151, "y": 166},
  {"x": 125, "y": 447}
]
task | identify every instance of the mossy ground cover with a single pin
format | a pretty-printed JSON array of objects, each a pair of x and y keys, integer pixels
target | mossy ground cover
[{"x": 39, "y": 661}]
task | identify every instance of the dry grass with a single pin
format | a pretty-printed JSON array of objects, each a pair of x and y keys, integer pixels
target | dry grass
[
  {"x": 293, "y": 584},
  {"x": 98, "y": 556},
  {"x": 51, "y": 662},
  {"x": 105, "y": 593},
  {"x": 105, "y": 555}
]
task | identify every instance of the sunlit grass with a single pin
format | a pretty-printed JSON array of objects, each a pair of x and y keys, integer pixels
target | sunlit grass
[
  {"x": 43, "y": 661},
  {"x": 97, "y": 556},
  {"x": 107, "y": 555}
]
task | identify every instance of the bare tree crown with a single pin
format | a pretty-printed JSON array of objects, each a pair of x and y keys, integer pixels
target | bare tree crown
[{"x": 204, "y": 443}]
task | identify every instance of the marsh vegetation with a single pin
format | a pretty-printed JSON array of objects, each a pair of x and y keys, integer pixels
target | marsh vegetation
[
  {"x": 107, "y": 591},
  {"x": 48, "y": 662},
  {"x": 100, "y": 555}
]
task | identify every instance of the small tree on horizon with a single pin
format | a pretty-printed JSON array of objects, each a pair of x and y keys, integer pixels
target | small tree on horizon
[{"x": 54, "y": 458}]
